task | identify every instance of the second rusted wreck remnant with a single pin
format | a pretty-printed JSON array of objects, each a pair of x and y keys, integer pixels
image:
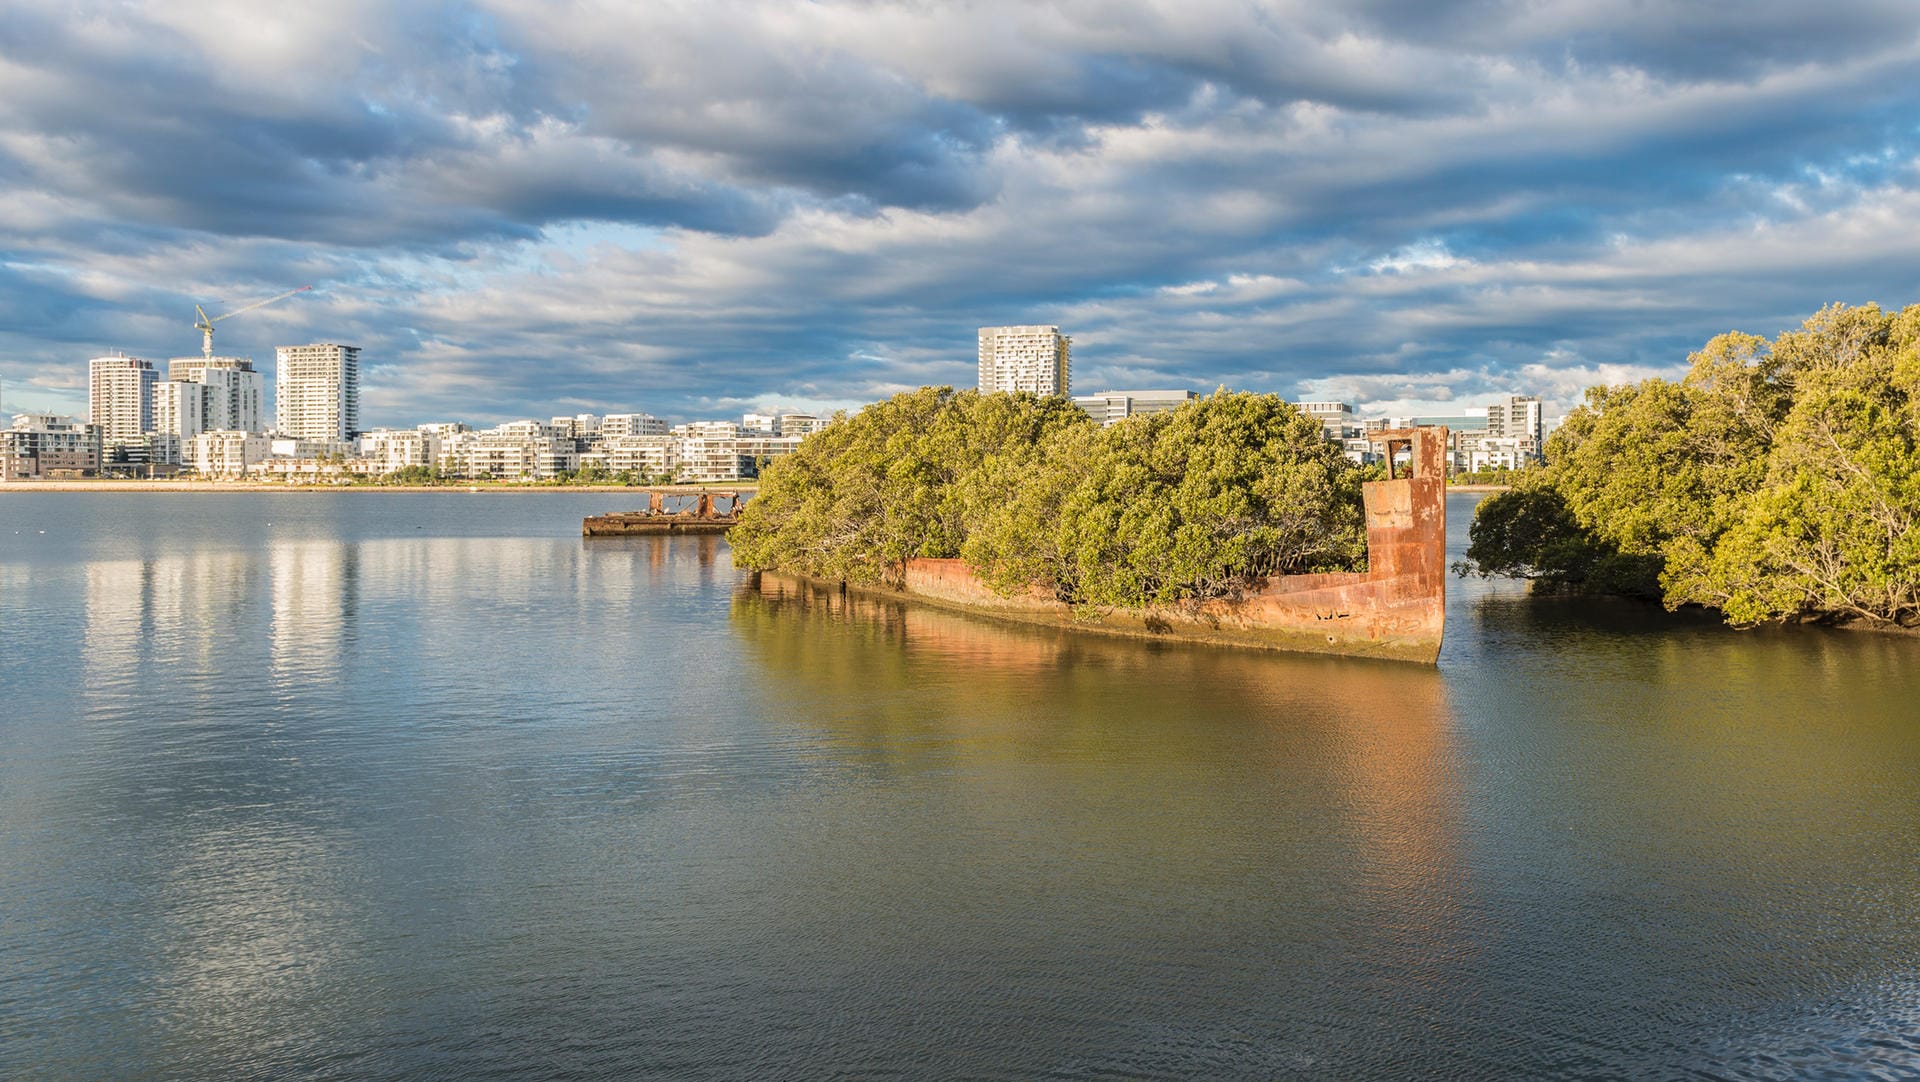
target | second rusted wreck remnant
[
  {"x": 1394, "y": 609},
  {"x": 703, "y": 516}
]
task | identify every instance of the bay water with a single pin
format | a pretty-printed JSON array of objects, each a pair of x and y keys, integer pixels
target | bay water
[{"x": 425, "y": 785}]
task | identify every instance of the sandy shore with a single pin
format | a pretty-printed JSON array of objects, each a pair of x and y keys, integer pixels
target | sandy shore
[{"x": 270, "y": 486}]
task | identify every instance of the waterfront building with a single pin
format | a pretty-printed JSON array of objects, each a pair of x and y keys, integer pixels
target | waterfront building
[
  {"x": 279, "y": 446},
  {"x": 43, "y": 445},
  {"x": 387, "y": 450},
  {"x": 120, "y": 395},
  {"x": 316, "y": 391},
  {"x": 1033, "y": 358},
  {"x": 709, "y": 459},
  {"x": 761, "y": 422},
  {"x": 519, "y": 451},
  {"x": 653, "y": 455},
  {"x": 227, "y": 452},
  {"x": 239, "y": 392},
  {"x": 1112, "y": 407}
]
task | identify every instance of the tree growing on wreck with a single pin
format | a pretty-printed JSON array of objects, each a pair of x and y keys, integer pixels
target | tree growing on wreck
[{"x": 1192, "y": 504}]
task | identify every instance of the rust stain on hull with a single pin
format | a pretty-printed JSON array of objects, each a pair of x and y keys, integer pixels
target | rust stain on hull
[{"x": 1395, "y": 609}]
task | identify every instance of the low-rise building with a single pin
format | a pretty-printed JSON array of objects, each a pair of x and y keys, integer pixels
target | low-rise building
[
  {"x": 227, "y": 452},
  {"x": 388, "y": 450},
  {"x": 631, "y": 424},
  {"x": 1335, "y": 417},
  {"x": 648, "y": 456},
  {"x": 799, "y": 424},
  {"x": 44, "y": 445},
  {"x": 1112, "y": 407}
]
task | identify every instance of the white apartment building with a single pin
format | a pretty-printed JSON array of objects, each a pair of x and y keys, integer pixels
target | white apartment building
[
  {"x": 227, "y": 452},
  {"x": 782, "y": 423},
  {"x": 240, "y": 393},
  {"x": 1024, "y": 359},
  {"x": 703, "y": 460},
  {"x": 1518, "y": 417},
  {"x": 316, "y": 391},
  {"x": 1112, "y": 407},
  {"x": 387, "y": 450},
  {"x": 708, "y": 430},
  {"x": 799, "y": 424},
  {"x": 508, "y": 453},
  {"x": 649, "y": 455},
  {"x": 295, "y": 447},
  {"x": 182, "y": 409},
  {"x": 120, "y": 396},
  {"x": 1494, "y": 453},
  {"x": 631, "y": 424}
]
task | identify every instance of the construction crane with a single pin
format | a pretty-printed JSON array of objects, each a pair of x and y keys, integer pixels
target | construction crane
[{"x": 206, "y": 324}]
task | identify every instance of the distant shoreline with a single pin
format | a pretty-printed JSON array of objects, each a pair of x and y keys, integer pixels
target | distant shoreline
[{"x": 273, "y": 486}]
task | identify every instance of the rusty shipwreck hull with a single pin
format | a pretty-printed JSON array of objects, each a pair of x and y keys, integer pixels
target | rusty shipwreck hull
[
  {"x": 702, "y": 517},
  {"x": 1395, "y": 609}
]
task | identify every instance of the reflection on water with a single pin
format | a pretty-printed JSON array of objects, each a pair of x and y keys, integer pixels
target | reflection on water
[{"x": 379, "y": 786}]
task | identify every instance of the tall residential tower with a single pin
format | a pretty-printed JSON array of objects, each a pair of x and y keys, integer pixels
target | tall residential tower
[
  {"x": 239, "y": 393},
  {"x": 1023, "y": 359},
  {"x": 120, "y": 396},
  {"x": 316, "y": 392}
]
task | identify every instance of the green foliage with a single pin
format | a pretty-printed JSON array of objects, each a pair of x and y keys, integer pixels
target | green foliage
[
  {"x": 1200, "y": 502},
  {"x": 413, "y": 475},
  {"x": 1499, "y": 475},
  {"x": 882, "y": 487},
  {"x": 1775, "y": 481},
  {"x": 1529, "y": 532},
  {"x": 1195, "y": 503}
]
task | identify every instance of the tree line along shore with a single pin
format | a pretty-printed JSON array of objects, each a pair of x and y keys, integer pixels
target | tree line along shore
[{"x": 1777, "y": 481}]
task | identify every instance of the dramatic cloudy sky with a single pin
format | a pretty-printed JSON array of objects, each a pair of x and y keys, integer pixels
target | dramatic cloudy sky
[{"x": 525, "y": 207}]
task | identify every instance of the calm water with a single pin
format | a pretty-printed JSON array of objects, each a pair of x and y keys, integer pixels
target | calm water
[{"x": 373, "y": 785}]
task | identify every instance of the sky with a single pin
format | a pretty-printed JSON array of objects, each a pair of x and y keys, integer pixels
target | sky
[{"x": 529, "y": 208}]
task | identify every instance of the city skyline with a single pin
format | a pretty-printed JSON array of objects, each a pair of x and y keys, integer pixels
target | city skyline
[{"x": 1398, "y": 205}]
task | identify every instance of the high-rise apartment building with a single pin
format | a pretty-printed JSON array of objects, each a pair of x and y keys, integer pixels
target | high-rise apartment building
[
  {"x": 240, "y": 393},
  {"x": 120, "y": 396},
  {"x": 1518, "y": 417},
  {"x": 316, "y": 392},
  {"x": 1024, "y": 359},
  {"x": 183, "y": 408}
]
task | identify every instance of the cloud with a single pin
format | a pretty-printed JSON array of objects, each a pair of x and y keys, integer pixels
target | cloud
[{"x": 684, "y": 207}]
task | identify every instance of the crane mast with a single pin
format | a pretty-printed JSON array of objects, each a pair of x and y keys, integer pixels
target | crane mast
[{"x": 206, "y": 323}]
